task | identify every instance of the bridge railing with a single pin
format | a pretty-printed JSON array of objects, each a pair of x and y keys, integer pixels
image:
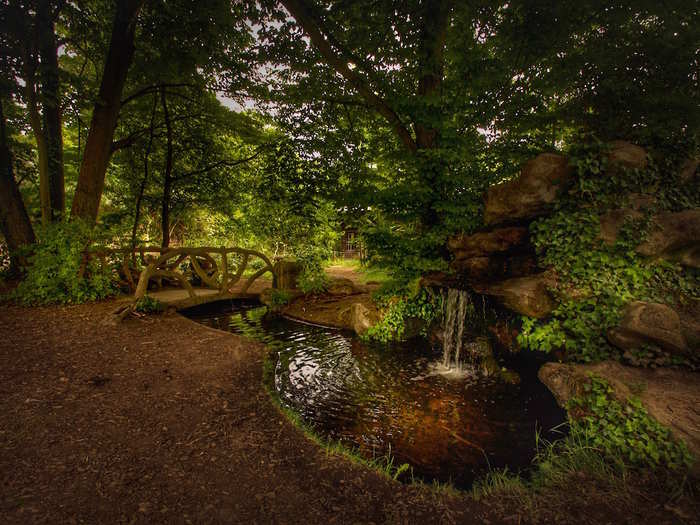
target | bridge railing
[{"x": 218, "y": 268}]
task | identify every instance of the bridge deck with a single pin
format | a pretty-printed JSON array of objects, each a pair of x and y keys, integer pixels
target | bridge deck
[{"x": 179, "y": 298}]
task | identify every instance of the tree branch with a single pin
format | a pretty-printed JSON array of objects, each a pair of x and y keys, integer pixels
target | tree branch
[
  {"x": 221, "y": 163},
  {"x": 304, "y": 17}
]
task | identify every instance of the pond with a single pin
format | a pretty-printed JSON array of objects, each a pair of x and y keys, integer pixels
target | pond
[{"x": 380, "y": 399}]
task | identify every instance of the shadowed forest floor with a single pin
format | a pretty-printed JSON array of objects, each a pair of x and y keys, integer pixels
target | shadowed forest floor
[{"x": 160, "y": 419}]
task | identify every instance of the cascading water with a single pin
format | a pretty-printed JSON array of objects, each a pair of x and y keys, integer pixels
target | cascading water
[{"x": 456, "y": 306}]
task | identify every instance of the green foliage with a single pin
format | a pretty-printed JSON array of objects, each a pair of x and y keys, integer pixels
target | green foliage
[
  {"x": 148, "y": 305},
  {"x": 58, "y": 271},
  {"x": 596, "y": 280},
  {"x": 279, "y": 297},
  {"x": 423, "y": 307},
  {"x": 624, "y": 432},
  {"x": 313, "y": 278},
  {"x": 607, "y": 440}
]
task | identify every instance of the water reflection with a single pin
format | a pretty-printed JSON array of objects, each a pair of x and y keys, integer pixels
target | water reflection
[{"x": 390, "y": 399}]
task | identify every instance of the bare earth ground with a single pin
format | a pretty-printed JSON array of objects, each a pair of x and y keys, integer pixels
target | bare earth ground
[{"x": 161, "y": 420}]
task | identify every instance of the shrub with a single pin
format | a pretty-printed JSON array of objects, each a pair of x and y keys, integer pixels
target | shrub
[
  {"x": 279, "y": 297},
  {"x": 313, "y": 278},
  {"x": 58, "y": 271}
]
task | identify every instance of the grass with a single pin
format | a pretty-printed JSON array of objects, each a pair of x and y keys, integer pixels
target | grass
[
  {"x": 570, "y": 465},
  {"x": 366, "y": 273}
]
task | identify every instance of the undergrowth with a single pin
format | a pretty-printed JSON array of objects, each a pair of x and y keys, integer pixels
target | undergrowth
[
  {"x": 596, "y": 280},
  {"x": 58, "y": 270}
]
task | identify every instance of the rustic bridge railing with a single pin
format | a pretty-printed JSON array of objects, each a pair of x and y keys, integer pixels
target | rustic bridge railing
[
  {"x": 213, "y": 274},
  {"x": 216, "y": 268}
]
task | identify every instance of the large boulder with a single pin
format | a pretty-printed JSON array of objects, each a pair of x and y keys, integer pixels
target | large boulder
[
  {"x": 494, "y": 267},
  {"x": 358, "y": 317},
  {"x": 341, "y": 286},
  {"x": 670, "y": 396},
  {"x": 540, "y": 182},
  {"x": 626, "y": 155},
  {"x": 674, "y": 235},
  {"x": 480, "y": 244},
  {"x": 525, "y": 295},
  {"x": 649, "y": 324}
]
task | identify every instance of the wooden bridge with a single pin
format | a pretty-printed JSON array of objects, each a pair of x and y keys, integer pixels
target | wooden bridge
[{"x": 184, "y": 277}]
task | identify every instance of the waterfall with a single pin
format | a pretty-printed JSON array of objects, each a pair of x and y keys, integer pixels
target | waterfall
[{"x": 456, "y": 306}]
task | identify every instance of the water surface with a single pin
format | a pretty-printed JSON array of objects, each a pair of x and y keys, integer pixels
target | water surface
[{"x": 392, "y": 399}]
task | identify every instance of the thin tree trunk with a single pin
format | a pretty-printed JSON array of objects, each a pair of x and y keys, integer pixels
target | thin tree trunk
[
  {"x": 168, "y": 180},
  {"x": 30, "y": 95},
  {"x": 51, "y": 110},
  {"x": 14, "y": 220},
  {"x": 98, "y": 147},
  {"x": 142, "y": 187}
]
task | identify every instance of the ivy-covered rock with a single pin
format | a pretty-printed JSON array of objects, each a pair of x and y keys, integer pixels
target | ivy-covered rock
[
  {"x": 540, "y": 182},
  {"x": 674, "y": 234},
  {"x": 669, "y": 396},
  {"x": 626, "y": 155},
  {"x": 613, "y": 221},
  {"x": 649, "y": 324}
]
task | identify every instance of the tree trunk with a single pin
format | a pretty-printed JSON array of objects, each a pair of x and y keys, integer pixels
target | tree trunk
[
  {"x": 51, "y": 109},
  {"x": 168, "y": 180},
  {"x": 142, "y": 187},
  {"x": 436, "y": 17},
  {"x": 435, "y": 20},
  {"x": 30, "y": 96},
  {"x": 98, "y": 147},
  {"x": 14, "y": 220}
]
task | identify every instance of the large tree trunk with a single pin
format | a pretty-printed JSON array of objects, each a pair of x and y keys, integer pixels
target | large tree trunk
[
  {"x": 98, "y": 147},
  {"x": 435, "y": 18},
  {"x": 14, "y": 220},
  {"x": 51, "y": 109},
  {"x": 168, "y": 180}
]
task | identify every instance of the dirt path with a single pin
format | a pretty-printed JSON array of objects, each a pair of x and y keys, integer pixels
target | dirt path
[{"x": 163, "y": 420}]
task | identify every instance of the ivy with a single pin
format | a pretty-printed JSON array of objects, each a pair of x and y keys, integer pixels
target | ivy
[
  {"x": 597, "y": 280},
  {"x": 424, "y": 307},
  {"x": 625, "y": 432}
]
